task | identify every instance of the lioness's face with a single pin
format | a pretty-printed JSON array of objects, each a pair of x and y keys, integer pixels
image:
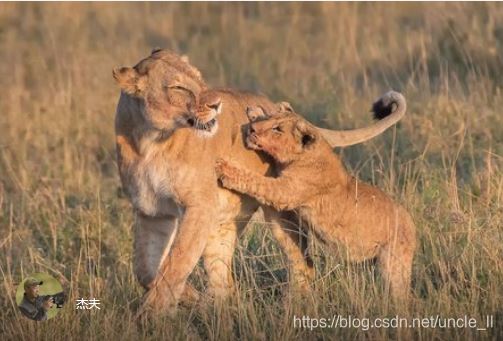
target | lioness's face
[
  {"x": 285, "y": 137},
  {"x": 166, "y": 87},
  {"x": 204, "y": 119}
]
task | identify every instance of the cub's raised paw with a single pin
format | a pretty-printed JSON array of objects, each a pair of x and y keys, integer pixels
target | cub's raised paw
[{"x": 226, "y": 173}]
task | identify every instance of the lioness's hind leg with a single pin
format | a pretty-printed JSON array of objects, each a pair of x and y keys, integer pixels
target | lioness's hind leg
[
  {"x": 217, "y": 257},
  {"x": 292, "y": 239}
]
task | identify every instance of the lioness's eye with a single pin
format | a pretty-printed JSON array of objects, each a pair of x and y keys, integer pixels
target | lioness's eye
[
  {"x": 178, "y": 87},
  {"x": 180, "y": 94},
  {"x": 277, "y": 129}
]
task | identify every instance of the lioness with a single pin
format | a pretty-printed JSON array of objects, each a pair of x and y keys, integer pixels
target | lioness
[
  {"x": 337, "y": 207},
  {"x": 166, "y": 155}
]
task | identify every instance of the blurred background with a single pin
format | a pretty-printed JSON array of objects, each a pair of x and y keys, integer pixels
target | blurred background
[{"x": 62, "y": 210}]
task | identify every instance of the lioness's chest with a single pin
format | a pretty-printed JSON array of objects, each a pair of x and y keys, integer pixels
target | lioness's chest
[
  {"x": 168, "y": 182},
  {"x": 156, "y": 192}
]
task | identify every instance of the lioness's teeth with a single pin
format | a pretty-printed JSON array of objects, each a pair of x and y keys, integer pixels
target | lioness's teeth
[{"x": 205, "y": 126}]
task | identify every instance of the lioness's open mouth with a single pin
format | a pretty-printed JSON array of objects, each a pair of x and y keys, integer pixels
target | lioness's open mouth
[
  {"x": 207, "y": 128},
  {"x": 204, "y": 117}
]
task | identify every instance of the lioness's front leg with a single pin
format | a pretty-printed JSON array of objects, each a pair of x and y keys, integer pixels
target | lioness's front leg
[
  {"x": 188, "y": 245},
  {"x": 280, "y": 193},
  {"x": 153, "y": 238}
]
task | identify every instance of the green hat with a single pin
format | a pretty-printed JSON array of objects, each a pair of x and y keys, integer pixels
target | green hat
[{"x": 31, "y": 282}]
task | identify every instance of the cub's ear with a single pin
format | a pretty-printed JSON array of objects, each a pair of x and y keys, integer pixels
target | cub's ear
[
  {"x": 284, "y": 107},
  {"x": 129, "y": 80},
  {"x": 185, "y": 58},
  {"x": 306, "y": 134},
  {"x": 254, "y": 113}
]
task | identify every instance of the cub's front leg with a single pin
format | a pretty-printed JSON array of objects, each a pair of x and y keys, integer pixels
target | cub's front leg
[
  {"x": 284, "y": 226},
  {"x": 280, "y": 193}
]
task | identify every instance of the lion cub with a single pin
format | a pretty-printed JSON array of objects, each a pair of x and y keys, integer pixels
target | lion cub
[{"x": 338, "y": 208}]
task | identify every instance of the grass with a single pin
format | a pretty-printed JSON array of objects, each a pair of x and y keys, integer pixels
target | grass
[{"x": 61, "y": 211}]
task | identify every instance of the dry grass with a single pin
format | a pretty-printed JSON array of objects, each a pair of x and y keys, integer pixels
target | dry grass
[{"x": 59, "y": 206}]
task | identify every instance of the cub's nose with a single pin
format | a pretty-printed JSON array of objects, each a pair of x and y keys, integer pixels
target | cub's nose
[{"x": 251, "y": 130}]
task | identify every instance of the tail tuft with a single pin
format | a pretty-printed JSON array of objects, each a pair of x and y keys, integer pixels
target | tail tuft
[{"x": 387, "y": 104}]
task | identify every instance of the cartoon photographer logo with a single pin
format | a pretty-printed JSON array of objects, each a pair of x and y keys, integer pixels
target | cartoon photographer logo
[{"x": 40, "y": 296}]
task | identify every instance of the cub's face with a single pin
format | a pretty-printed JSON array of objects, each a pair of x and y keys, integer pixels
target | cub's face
[
  {"x": 284, "y": 135},
  {"x": 166, "y": 90}
]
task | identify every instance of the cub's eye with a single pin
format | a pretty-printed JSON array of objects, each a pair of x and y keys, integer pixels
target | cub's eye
[{"x": 277, "y": 129}]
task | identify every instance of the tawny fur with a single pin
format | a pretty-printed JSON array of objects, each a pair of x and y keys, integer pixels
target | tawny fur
[
  {"x": 166, "y": 147},
  {"x": 167, "y": 169},
  {"x": 338, "y": 208}
]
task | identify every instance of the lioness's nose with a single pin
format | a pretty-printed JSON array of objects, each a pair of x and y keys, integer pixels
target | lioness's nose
[
  {"x": 251, "y": 130},
  {"x": 215, "y": 105}
]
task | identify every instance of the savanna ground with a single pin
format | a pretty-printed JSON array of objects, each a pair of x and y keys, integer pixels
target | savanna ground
[{"x": 61, "y": 208}]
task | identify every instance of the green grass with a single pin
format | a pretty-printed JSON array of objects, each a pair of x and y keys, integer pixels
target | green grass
[{"x": 61, "y": 211}]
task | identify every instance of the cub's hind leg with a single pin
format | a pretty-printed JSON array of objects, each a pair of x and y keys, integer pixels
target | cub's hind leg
[{"x": 395, "y": 259}]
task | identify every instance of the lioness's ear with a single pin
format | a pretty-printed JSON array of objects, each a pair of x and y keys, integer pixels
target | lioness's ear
[
  {"x": 185, "y": 58},
  {"x": 255, "y": 112},
  {"x": 155, "y": 50},
  {"x": 306, "y": 134},
  {"x": 284, "y": 107},
  {"x": 130, "y": 80}
]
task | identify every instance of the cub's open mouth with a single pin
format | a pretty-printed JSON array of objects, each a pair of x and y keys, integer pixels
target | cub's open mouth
[{"x": 252, "y": 143}]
